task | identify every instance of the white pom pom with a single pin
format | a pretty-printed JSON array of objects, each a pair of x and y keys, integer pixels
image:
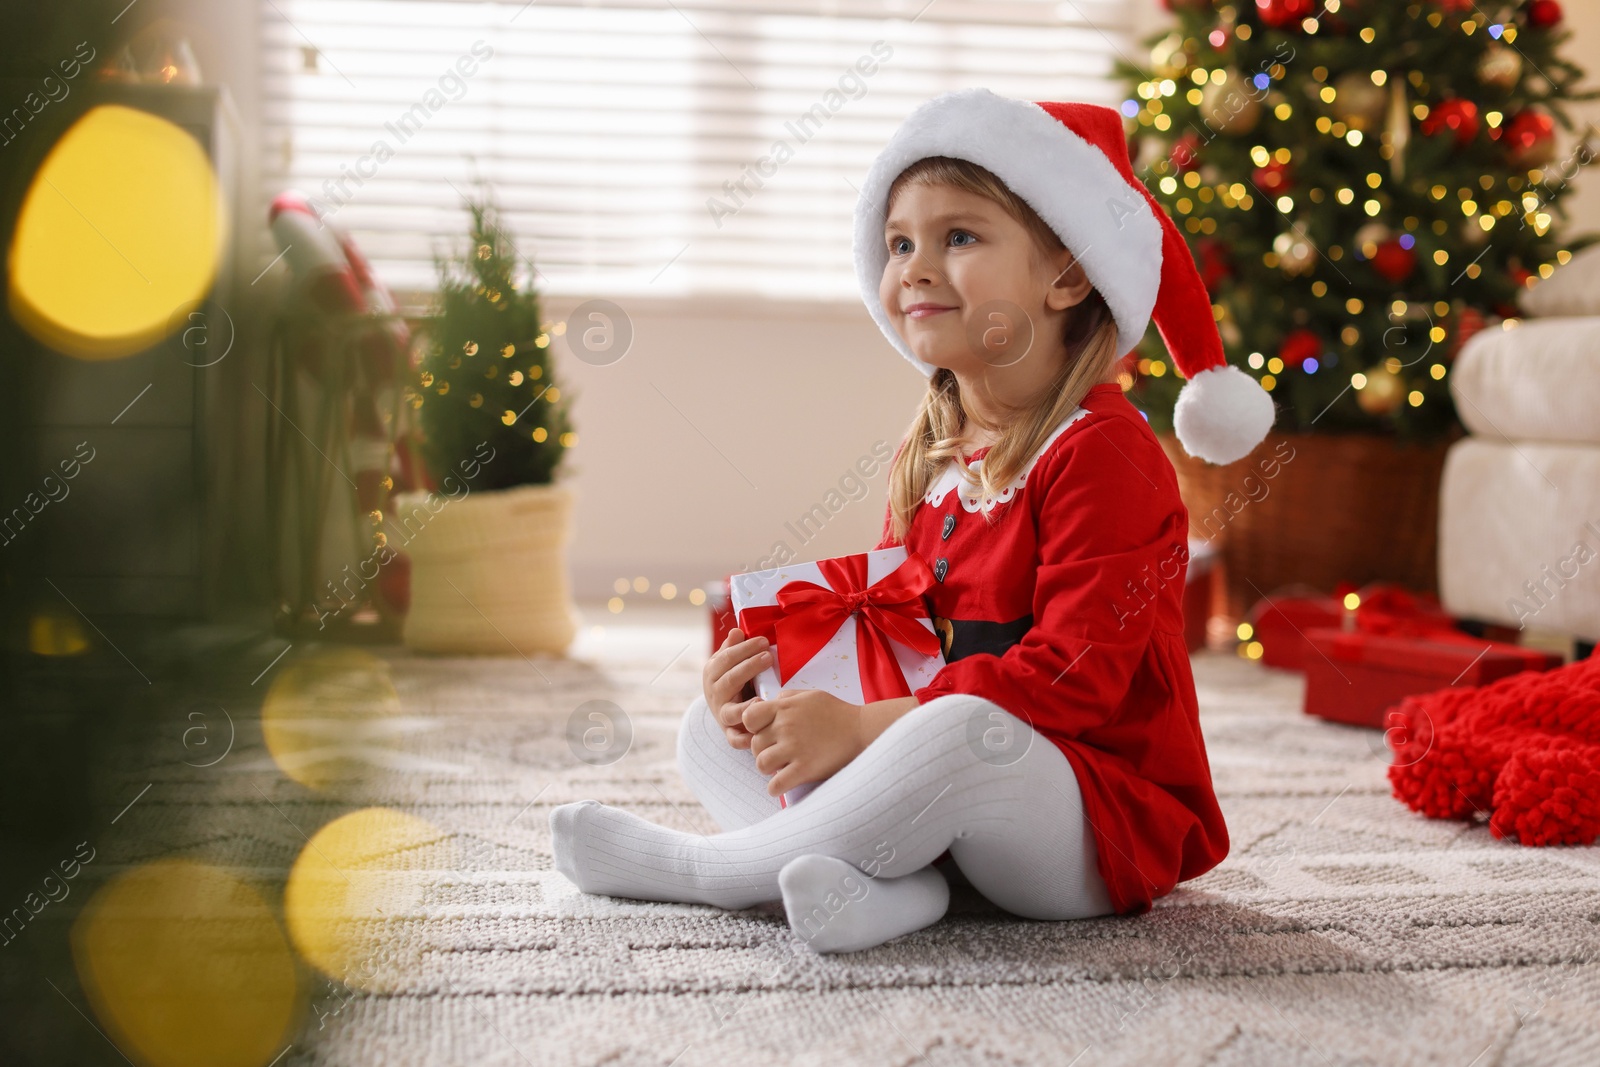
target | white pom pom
[{"x": 1221, "y": 414}]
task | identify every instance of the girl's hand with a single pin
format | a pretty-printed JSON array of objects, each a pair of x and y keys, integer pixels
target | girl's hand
[
  {"x": 802, "y": 735},
  {"x": 728, "y": 682}
]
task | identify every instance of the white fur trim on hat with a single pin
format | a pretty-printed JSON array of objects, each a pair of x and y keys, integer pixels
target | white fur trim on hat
[
  {"x": 1221, "y": 414},
  {"x": 1105, "y": 221}
]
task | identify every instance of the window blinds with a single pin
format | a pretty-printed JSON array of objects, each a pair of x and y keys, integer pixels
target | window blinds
[{"x": 667, "y": 148}]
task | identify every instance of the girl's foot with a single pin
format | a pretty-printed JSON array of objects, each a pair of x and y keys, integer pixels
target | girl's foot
[
  {"x": 612, "y": 851},
  {"x": 834, "y": 907}
]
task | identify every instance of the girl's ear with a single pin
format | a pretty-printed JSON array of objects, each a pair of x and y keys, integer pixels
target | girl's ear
[{"x": 1071, "y": 286}]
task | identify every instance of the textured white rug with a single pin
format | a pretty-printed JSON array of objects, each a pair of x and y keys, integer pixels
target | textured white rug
[{"x": 1342, "y": 929}]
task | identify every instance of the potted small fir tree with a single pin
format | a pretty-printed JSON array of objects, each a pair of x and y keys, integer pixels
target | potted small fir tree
[{"x": 487, "y": 542}]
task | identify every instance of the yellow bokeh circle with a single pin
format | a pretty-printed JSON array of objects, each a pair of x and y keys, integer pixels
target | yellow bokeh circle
[
  {"x": 185, "y": 964},
  {"x": 357, "y": 885},
  {"x": 121, "y": 229},
  {"x": 330, "y": 718}
]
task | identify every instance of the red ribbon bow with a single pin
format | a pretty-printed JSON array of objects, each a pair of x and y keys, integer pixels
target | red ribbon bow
[
  {"x": 807, "y": 615},
  {"x": 1387, "y": 608}
]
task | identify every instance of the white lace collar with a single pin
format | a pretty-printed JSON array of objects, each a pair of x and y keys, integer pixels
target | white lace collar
[{"x": 952, "y": 477}]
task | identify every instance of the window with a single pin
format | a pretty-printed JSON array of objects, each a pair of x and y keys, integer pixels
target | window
[{"x": 638, "y": 148}]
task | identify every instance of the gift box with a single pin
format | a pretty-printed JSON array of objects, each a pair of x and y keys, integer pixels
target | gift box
[
  {"x": 1281, "y": 622},
  {"x": 1354, "y": 676},
  {"x": 854, "y": 626}
]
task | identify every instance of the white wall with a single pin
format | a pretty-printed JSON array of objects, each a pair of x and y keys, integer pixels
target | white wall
[{"x": 702, "y": 451}]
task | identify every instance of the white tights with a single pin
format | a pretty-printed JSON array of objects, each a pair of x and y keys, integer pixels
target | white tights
[{"x": 958, "y": 772}]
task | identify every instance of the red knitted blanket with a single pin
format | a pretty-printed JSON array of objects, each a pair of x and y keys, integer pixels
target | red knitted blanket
[{"x": 1524, "y": 750}]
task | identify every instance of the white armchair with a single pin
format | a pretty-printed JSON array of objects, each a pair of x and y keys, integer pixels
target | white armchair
[{"x": 1519, "y": 510}]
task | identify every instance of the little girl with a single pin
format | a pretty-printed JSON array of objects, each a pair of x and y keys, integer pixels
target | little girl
[{"x": 1055, "y": 761}]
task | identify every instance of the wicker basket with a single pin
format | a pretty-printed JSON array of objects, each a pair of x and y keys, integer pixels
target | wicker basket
[
  {"x": 488, "y": 571},
  {"x": 1314, "y": 510}
]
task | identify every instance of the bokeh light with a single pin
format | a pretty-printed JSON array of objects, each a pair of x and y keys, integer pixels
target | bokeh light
[
  {"x": 121, "y": 229},
  {"x": 333, "y": 716},
  {"x": 186, "y": 964},
  {"x": 355, "y": 882}
]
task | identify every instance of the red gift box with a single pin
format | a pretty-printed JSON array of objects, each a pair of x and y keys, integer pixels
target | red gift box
[
  {"x": 1355, "y": 677},
  {"x": 1281, "y": 622}
]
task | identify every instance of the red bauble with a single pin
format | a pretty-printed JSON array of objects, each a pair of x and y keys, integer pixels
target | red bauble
[
  {"x": 1299, "y": 346},
  {"x": 1280, "y": 13},
  {"x": 1544, "y": 14},
  {"x": 1274, "y": 178},
  {"x": 1185, "y": 154},
  {"x": 1468, "y": 322},
  {"x": 1456, "y": 115},
  {"x": 1394, "y": 261},
  {"x": 1215, "y": 263},
  {"x": 1529, "y": 138}
]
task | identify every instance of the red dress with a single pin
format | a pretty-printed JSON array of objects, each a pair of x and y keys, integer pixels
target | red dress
[{"x": 1067, "y": 612}]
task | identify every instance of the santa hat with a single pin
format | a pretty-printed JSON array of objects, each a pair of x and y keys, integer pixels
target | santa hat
[{"x": 1070, "y": 163}]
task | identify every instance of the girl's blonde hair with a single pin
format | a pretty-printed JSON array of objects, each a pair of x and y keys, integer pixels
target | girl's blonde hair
[{"x": 1091, "y": 341}]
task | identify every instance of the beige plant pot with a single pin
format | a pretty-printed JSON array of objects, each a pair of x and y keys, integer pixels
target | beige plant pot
[{"x": 488, "y": 570}]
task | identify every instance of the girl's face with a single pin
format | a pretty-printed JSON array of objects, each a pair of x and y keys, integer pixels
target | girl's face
[{"x": 967, "y": 287}]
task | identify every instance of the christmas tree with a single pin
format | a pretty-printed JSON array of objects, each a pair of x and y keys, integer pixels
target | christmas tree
[
  {"x": 1364, "y": 184},
  {"x": 484, "y": 385}
]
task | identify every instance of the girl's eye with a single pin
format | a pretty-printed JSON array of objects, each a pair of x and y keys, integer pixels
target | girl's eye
[
  {"x": 894, "y": 245},
  {"x": 954, "y": 233}
]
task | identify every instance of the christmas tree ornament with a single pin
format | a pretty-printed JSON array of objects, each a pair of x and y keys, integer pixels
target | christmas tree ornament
[
  {"x": 1295, "y": 254},
  {"x": 1357, "y": 102},
  {"x": 1382, "y": 392},
  {"x": 1370, "y": 236},
  {"x": 1069, "y": 162},
  {"x": 1529, "y": 137},
  {"x": 1500, "y": 66},
  {"x": 1457, "y": 116},
  {"x": 1216, "y": 264},
  {"x": 1231, "y": 106},
  {"x": 1185, "y": 155},
  {"x": 1394, "y": 261},
  {"x": 1274, "y": 179},
  {"x": 1397, "y": 130},
  {"x": 1281, "y": 13},
  {"x": 1469, "y": 320},
  {"x": 1299, "y": 346},
  {"x": 1544, "y": 14}
]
